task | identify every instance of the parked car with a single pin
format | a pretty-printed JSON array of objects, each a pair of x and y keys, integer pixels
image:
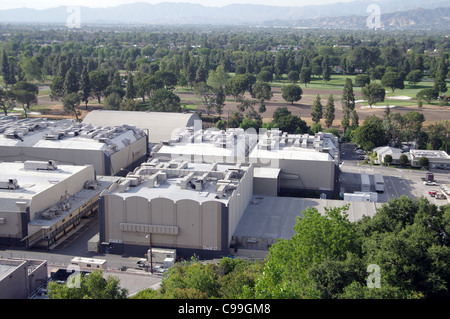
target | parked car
[
  {"x": 432, "y": 193},
  {"x": 430, "y": 183},
  {"x": 440, "y": 196}
]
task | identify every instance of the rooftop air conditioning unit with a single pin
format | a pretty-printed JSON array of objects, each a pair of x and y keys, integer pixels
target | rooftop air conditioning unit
[
  {"x": 10, "y": 183},
  {"x": 40, "y": 165}
]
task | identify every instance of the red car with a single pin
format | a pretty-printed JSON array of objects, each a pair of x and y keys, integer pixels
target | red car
[{"x": 432, "y": 193}]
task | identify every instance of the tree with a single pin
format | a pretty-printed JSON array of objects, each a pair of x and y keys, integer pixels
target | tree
[
  {"x": 85, "y": 93},
  {"x": 262, "y": 92},
  {"x": 424, "y": 162},
  {"x": 6, "y": 100},
  {"x": 70, "y": 102},
  {"x": 305, "y": 75},
  {"x": 26, "y": 93},
  {"x": 165, "y": 101},
  {"x": 286, "y": 122},
  {"x": 265, "y": 75},
  {"x": 112, "y": 101},
  {"x": 71, "y": 84},
  {"x": 205, "y": 92},
  {"x": 373, "y": 93},
  {"x": 348, "y": 98},
  {"x": 57, "y": 88},
  {"x": 393, "y": 80},
  {"x": 427, "y": 94},
  {"x": 326, "y": 69},
  {"x": 441, "y": 75},
  {"x": 371, "y": 134},
  {"x": 291, "y": 93},
  {"x": 354, "y": 118},
  {"x": 93, "y": 286},
  {"x": 293, "y": 76},
  {"x": 240, "y": 84},
  {"x": 387, "y": 159},
  {"x": 317, "y": 238},
  {"x": 414, "y": 76},
  {"x": 99, "y": 82},
  {"x": 329, "y": 112},
  {"x": 280, "y": 64},
  {"x": 32, "y": 69},
  {"x": 403, "y": 160},
  {"x": 316, "y": 110},
  {"x": 6, "y": 69},
  {"x": 217, "y": 78},
  {"x": 168, "y": 78},
  {"x": 361, "y": 80}
]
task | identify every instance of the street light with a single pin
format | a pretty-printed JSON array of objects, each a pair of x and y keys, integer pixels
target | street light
[{"x": 149, "y": 236}]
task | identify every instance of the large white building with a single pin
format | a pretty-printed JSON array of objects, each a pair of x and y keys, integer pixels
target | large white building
[
  {"x": 110, "y": 149},
  {"x": 307, "y": 163},
  {"x": 41, "y": 201},
  {"x": 191, "y": 207},
  {"x": 159, "y": 126},
  {"x": 298, "y": 163}
]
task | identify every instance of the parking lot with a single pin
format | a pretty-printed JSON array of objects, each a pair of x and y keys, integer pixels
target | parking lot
[{"x": 397, "y": 181}]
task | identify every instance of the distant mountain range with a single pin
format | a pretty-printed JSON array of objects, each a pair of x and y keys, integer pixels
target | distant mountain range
[{"x": 394, "y": 13}]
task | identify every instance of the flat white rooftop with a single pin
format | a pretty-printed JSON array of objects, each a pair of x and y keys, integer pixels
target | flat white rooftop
[
  {"x": 170, "y": 186},
  {"x": 66, "y": 134},
  {"x": 32, "y": 182},
  {"x": 274, "y": 217}
]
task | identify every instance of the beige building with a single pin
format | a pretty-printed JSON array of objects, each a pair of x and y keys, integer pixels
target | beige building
[
  {"x": 159, "y": 126},
  {"x": 190, "y": 207},
  {"x": 19, "y": 278},
  {"x": 437, "y": 159},
  {"x": 41, "y": 201},
  {"x": 110, "y": 149},
  {"x": 306, "y": 163}
]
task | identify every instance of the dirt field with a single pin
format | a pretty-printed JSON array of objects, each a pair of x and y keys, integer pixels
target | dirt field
[{"x": 302, "y": 108}]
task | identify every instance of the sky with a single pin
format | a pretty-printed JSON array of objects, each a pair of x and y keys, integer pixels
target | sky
[{"x": 45, "y": 4}]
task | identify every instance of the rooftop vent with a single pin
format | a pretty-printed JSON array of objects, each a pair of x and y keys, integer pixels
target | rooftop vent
[
  {"x": 40, "y": 165},
  {"x": 10, "y": 183}
]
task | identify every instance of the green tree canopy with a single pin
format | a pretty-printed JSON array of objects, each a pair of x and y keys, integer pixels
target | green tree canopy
[
  {"x": 93, "y": 286},
  {"x": 291, "y": 93},
  {"x": 373, "y": 93}
]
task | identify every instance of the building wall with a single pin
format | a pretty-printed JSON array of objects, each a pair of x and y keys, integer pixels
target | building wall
[
  {"x": 198, "y": 226},
  {"x": 186, "y": 225},
  {"x": 127, "y": 157},
  {"x": 61, "y": 156},
  {"x": 12, "y": 227},
  {"x": 14, "y": 284},
  {"x": 310, "y": 175},
  {"x": 22, "y": 280},
  {"x": 52, "y": 195}
]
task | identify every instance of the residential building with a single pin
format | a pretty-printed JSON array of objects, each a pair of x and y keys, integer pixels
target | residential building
[{"x": 437, "y": 159}]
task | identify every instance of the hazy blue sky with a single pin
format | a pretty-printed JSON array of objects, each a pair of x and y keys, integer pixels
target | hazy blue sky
[{"x": 43, "y": 4}]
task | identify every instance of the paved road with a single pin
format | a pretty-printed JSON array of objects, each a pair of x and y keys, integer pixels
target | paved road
[
  {"x": 75, "y": 244},
  {"x": 398, "y": 181}
]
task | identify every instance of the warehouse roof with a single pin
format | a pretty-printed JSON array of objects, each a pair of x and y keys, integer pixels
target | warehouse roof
[
  {"x": 66, "y": 134},
  {"x": 29, "y": 182},
  {"x": 178, "y": 180},
  {"x": 161, "y": 126},
  {"x": 274, "y": 217}
]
